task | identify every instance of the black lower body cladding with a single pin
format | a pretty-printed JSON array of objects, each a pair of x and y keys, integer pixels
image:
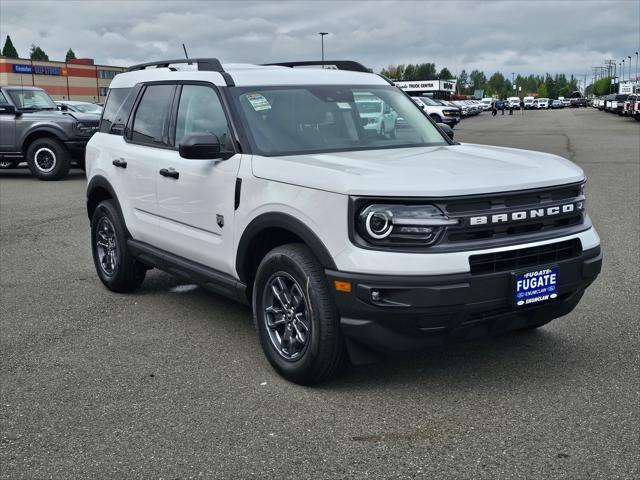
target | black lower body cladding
[{"x": 396, "y": 314}]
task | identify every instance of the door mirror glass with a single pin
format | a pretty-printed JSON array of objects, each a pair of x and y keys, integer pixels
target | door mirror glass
[
  {"x": 200, "y": 146},
  {"x": 446, "y": 129},
  {"x": 7, "y": 109}
]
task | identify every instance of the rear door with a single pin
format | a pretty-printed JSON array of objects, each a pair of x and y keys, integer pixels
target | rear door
[
  {"x": 7, "y": 128},
  {"x": 196, "y": 205}
]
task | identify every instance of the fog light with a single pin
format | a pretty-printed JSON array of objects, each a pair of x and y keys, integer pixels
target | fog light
[{"x": 375, "y": 295}]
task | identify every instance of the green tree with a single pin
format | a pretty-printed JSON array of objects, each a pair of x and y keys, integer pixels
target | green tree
[
  {"x": 542, "y": 90},
  {"x": 70, "y": 55},
  {"x": 495, "y": 85},
  {"x": 37, "y": 53},
  {"x": 477, "y": 80},
  {"x": 426, "y": 71},
  {"x": 445, "y": 74},
  {"x": 409, "y": 73},
  {"x": 9, "y": 50},
  {"x": 463, "y": 80}
]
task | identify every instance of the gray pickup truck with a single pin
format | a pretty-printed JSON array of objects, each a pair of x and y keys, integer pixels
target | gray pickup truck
[{"x": 32, "y": 129}]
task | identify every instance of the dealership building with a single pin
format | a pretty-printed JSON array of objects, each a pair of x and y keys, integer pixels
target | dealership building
[{"x": 78, "y": 79}]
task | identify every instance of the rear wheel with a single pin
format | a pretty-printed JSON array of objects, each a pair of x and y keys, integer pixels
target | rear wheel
[
  {"x": 115, "y": 265},
  {"x": 295, "y": 316},
  {"x": 48, "y": 159}
]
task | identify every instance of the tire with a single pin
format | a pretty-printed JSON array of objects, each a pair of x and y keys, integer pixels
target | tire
[
  {"x": 317, "y": 351},
  {"x": 8, "y": 164},
  {"x": 115, "y": 265},
  {"x": 48, "y": 159},
  {"x": 435, "y": 118}
]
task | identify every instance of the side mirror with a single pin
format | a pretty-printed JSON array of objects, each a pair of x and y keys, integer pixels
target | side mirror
[
  {"x": 7, "y": 110},
  {"x": 63, "y": 108},
  {"x": 200, "y": 146},
  {"x": 446, "y": 129}
]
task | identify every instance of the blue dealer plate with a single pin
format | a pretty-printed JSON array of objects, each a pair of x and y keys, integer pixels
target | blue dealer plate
[{"x": 536, "y": 286}]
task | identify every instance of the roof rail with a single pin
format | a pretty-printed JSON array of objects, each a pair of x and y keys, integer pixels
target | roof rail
[
  {"x": 349, "y": 65},
  {"x": 203, "y": 64}
]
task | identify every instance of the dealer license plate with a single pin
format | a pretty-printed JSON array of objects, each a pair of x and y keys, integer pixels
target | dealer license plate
[{"x": 536, "y": 286}]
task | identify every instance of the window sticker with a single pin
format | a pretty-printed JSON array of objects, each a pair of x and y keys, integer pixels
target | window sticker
[
  {"x": 258, "y": 102},
  {"x": 343, "y": 105}
]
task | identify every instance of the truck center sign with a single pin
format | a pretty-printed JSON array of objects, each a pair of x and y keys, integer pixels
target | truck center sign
[{"x": 427, "y": 86}]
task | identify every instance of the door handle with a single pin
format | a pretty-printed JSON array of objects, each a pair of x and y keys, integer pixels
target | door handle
[
  {"x": 169, "y": 172},
  {"x": 119, "y": 162}
]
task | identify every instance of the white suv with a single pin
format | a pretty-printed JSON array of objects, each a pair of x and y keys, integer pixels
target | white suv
[{"x": 263, "y": 183}]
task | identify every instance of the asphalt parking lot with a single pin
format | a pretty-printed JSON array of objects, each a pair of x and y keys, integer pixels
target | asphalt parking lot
[{"x": 170, "y": 382}]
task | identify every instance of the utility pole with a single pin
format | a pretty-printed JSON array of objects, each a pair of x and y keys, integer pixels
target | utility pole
[{"x": 322, "y": 34}]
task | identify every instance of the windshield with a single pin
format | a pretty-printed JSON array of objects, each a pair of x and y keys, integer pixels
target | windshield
[
  {"x": 32, "y": 100},
  {"x": 304, "y": 119},
  {"x": 88, "y": 108}
]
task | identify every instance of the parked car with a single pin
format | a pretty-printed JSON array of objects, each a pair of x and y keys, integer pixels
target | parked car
[
  {"x": 439, "y": 113},
  {"x": 347, "y": 245},
  {"x": 578, "y": 102},
  {"x": 379, "y": 117},
  {"x": 76, "y": 106},
  {"x": 557, "y": 104},
  {"x": 566, "y": 102},
  {"x": 514, "y": 102},
  {"x": 617, "y": 104},
  {"x": 528, "y": 103},
  {"x": 33, "y": 130},
  {"x": 464, "y": 107},
  {"x": 486, "y": 103},
  {"x": 543, "y": 103}
]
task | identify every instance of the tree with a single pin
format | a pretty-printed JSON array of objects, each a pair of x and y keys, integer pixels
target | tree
[
  {"x": 37, "y": 53},
  {"x": 70, "y": 56},
  {"x": 463, "y": 80},
  {"x": 542, "y": 90},
  {"x": 409, "y": 72},
  {"x": 9, "y": 50},
  {"x": 445, "y": 74},
  {"x": 426, "y": 71},
  {"x": 495, "y": 85},
  {"x": 477, "y": 79}
]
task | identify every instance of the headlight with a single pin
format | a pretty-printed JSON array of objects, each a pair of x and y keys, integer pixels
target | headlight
[
  {"x": 401, "y": 225},
  {"x": 84, "y": 129}
]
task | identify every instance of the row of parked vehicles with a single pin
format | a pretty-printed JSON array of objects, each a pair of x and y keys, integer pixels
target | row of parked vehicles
[{"x": 624, "y": 104}]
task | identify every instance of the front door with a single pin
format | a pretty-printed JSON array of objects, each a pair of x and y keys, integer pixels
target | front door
[{"x": 196, "y": 203}]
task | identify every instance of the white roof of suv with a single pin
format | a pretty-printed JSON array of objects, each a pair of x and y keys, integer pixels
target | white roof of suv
[{"x": 245, "y": 75}]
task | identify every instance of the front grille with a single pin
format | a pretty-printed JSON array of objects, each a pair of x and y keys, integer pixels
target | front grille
[
  {"x": 465, "y": 208},
  {"x": 524, "y": 257}
]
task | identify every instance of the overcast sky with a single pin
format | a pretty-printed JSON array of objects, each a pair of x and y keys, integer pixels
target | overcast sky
[{"x": 510, "y": 36}]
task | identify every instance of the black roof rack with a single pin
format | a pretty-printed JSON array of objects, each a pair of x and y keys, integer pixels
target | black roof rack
[
  {"x": 203, "y": 64},
  {"x": 337, "y": 64}
]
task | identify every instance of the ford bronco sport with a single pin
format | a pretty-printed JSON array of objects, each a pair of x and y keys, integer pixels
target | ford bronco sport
[
  {"x": 263, "y": 183},
  {"x": 33, "y": 130}
]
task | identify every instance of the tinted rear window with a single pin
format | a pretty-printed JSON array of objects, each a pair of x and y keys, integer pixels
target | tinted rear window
[{"x": 116, "y": 109}]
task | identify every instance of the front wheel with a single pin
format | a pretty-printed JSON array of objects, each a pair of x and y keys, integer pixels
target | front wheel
[
  {"x": 115, "y": 265},
  {"x": 295, "y": 316},
  {"x": 48, "y": 159}
]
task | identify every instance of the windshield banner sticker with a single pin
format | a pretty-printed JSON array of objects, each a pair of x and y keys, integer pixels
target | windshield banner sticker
[{"x": 258, "y": 102}]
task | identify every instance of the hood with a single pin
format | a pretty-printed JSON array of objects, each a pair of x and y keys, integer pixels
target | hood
[
  {"x": 57, "y": 116},
  {"x": 450, "y": 170}
]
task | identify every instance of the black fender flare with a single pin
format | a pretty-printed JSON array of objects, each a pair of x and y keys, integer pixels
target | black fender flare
[
  {"x": 50, "y": 130},
  {"x": 283, "y": 221},
  {"x": 101, "y": 182}
]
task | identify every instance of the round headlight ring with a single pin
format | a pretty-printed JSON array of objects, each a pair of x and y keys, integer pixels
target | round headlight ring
[{"x": 376, "y": 229}]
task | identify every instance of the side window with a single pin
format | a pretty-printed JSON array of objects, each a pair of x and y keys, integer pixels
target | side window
[
  {"x": 116, "y": 110},
  {"x": 151, "y": 115},
  {"x": 3, "y": 100},
  {"x": 200, "y": 111}
]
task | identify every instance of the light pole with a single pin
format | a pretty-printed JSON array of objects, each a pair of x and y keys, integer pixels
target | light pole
[
  {"x": 629, "y": 57},
  {"x": 636, "y": 67},
  {"x": 513, "y": 81},
  {"x": 623, "y": 69},
  {"x": 322, "y": 34}
]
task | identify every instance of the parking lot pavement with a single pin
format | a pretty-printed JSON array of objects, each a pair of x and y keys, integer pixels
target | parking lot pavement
[{"x": 170, "y": 382}]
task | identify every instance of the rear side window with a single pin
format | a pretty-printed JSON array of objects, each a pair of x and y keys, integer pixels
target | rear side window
[
  {"x": 116, "y": 110},
  {"x": 151, "y": 115},
  {"x": 3, "y": 100}
]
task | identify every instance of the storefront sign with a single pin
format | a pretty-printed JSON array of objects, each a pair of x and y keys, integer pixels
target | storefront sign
[
  {"x": 427, "y": 86},
  {"x": 37, "y": 69}
]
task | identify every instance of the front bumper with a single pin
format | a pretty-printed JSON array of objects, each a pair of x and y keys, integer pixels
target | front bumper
[{"x": 413, "y": 312}]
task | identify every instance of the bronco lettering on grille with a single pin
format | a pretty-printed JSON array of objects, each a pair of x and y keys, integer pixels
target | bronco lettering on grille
[{"x": 497, "y": 218}]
